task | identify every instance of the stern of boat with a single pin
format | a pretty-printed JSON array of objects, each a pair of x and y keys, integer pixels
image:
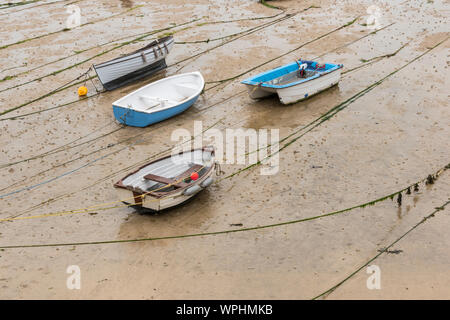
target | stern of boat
[{"x": 256, "y": 92}]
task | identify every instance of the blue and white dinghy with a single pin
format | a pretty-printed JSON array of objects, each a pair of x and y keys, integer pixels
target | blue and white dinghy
[
  {"x": 295, "y": 81},
  {"x": 159, "y": 100}
]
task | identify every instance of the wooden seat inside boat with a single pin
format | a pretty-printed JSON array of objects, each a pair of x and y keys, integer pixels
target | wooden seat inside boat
[
  {"x": 186, "y": 89},
  {"x": 177, "y": 181},
  {"x": 168, "y": 181},
  {"x": 187, "y": 86},
  {"x": 156, "y": 101}
]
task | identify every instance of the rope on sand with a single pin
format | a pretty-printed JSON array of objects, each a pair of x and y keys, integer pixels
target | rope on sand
[
  {"x": 296, "y": 221},
  {"x": 431, "y": 215}
]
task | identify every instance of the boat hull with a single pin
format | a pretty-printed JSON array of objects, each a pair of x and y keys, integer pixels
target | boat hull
[
  {"x": 135, "y": 75},
  {"x": 302, "y": 91},
  {"x": 256, "y": 92},
  {"x": 159, "y": 100},
  {"x": 129, "y": 68},
  {"x": 155, "y": 204},
  {"x": 287, "y": 83},
  {"x": 165, "y": 182},
  {"x": 136, "y": 118}
]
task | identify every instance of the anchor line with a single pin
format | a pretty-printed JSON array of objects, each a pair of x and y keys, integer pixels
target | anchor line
[
  {"x": 424, "y": 219},
  {"x": 296, "y": 221}
]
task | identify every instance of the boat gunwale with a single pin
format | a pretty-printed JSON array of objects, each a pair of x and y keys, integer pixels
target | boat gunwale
[
  {"x": 119, "y": 184},
  {"x": 197, "y": 93},
  {"x": 250, "y": 81}
]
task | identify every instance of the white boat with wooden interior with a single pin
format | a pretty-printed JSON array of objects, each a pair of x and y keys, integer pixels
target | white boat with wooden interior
[{"x": 168, "y": 181}]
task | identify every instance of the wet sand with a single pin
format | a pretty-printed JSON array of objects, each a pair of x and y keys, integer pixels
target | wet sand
[{"x": 384, "y": 140}]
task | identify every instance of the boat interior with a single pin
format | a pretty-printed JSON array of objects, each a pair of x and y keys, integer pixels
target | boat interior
[
  {"x": 290, "y": 73},
  {"x": 291, "y": 77},
  {"x": 159, "y": 41},
  {"x": 171, "y": 173},
  {"x": 162, "y": 45},
  {"x": 163, "y": 94}
]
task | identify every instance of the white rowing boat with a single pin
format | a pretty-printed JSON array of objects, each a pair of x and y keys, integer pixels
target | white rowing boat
[
  {"x": 159, "y": 100},
  {"x": 136, "y": 65},
  {"x": 168, "y": 181}
]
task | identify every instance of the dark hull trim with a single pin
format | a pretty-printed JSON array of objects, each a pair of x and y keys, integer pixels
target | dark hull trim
[{"x": 136, "y": 75}]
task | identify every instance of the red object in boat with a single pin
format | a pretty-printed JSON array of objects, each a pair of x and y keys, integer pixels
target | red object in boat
[{"x": 194, "y": 176}]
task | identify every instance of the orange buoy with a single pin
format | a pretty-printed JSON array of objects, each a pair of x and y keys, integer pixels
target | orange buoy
[
  {"x": 82, "y": 91},
  {"x": 194, "y": 176}
]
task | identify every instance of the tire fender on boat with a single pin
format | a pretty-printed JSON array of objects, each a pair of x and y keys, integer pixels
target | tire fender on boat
[
  {"x": 207, "y": 182},
  {"x": 192, "y": 190}
]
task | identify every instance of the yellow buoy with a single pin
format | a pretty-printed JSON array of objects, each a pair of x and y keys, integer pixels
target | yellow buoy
[{"x": 82, "y": 91}]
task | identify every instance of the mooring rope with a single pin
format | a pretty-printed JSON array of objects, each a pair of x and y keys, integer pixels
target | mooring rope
[
  {"x": 79, "y": 63},
  {"x": 141, "y": 35},
  {"x": 66, "y": 29},
  {"x": 352, "y": 41},
  {"x": 124, "y": 169},
  {"x": 58, "y": 89},
  {"x": 99, "y": 206},
  {"x": 296, "y": 221},
  {"x": 331, "y": 113},
  {"x": 327, "y": 292},
  {"x": 141, "y": 38},
  {"x": 312, "y": 125},
  {"x": 16, "y": 4}
]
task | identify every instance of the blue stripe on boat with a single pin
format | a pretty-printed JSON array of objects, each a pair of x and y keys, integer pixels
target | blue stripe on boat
[
  {"x": 135, "y": 118},
  {"x": 260, "y": 79}
]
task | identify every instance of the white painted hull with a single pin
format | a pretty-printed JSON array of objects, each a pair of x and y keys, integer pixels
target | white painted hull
[
  {"x": 161, "y": 184},
  {"x": 120, "y": 67},
  {"x": 298, "y": 92},
  {"x": 309, "y": 88},
  {"x": 156, "y": 204},
  {"x": 258, "y": 92}
]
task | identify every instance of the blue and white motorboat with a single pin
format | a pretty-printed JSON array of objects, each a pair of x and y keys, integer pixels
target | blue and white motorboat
[
  {"x": 159, "y": 100},
  {"x": 295, "y": 81}
]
